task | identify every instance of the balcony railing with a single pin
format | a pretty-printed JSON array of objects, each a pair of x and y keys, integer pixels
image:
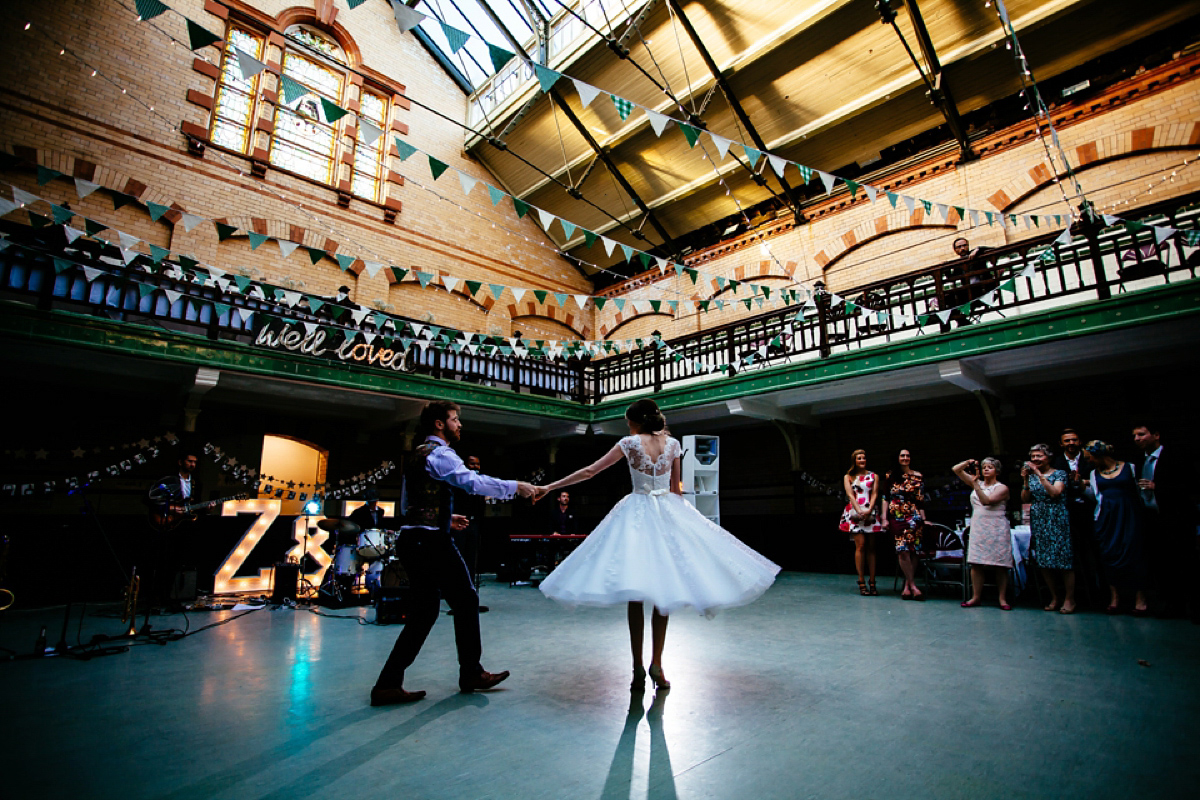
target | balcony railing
[
  {"x": 1091, "y": 267},
  {"x": 93, "y": 280}
]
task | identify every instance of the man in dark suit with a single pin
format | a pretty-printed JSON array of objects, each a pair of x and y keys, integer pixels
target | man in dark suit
[
  {"x": 168, "y": 555},
  {"x": 1170, "y": 524},
  {"x": 1080, "y": 513},
  {"x": 561, "y": 520}
]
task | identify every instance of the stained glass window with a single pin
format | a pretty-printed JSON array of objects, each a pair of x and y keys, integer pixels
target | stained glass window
[
  {"x": 368, "y": 156},
  {"x": 234, "y": 114},
  {"x": 304, "y": 142}
]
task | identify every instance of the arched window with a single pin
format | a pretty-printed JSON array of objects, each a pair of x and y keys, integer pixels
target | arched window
[
  {"x": 305, "y": 138},
  {"x": 291, "y": 467}
]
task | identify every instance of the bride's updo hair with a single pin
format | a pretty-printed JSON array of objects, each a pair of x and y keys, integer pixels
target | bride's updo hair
[{"x": 646, "y": 416}]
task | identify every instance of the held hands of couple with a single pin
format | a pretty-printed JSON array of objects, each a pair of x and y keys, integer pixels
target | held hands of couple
[{"x": 534, "y": 493}]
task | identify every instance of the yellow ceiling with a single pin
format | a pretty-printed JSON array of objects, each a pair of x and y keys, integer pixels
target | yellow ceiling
[{"x": 823, "y": 81}]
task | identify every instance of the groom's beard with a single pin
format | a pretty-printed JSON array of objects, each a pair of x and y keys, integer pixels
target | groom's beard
[{"x": 452, "y": 437}]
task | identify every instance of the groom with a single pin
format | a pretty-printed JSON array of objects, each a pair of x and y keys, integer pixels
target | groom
[{"x": 427, "y": 552}]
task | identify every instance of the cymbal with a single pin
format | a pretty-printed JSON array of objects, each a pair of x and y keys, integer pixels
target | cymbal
[{"x": 338, "y": 525}]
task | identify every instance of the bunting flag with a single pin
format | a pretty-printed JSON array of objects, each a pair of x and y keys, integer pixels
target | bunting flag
[
  {"x": 436, "y": 168},
  {"x": 293, "y": 90},
  {"x": 248, "y": 64},
  {"x": 546, "y": 77},
  {"x": 83, "y": 188},
  {"x": 457, "y": 39},
  {"x": 406, "y": 18},
  {"x": 370, "y": 131},
  {"x": 500, "y": 57},
  {"x": 624, "y": 107},
  {"x": 149, "y": 9},
  {"x": 690, "y": 133},
  {"x": 587, "y": 92},
  {"x": 199, "y": 37},
  {"x": 403, "y": 148},
  {"x": 332, "y": 111}
]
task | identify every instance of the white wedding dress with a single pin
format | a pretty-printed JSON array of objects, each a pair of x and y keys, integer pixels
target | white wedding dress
[{"x": 655, "y": 547}]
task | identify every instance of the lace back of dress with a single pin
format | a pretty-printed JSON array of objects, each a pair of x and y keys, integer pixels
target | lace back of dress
[{"x": 649, "y": 475}]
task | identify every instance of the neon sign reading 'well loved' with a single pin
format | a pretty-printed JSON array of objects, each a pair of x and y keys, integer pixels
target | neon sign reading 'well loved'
[{"x": 316, "y": 343}]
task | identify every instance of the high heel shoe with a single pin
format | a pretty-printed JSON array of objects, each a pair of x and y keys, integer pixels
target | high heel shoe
[
  {"x": 862, "y": 589},
  {"x": 639, "y": 680},
  {"x": 871, "y": 588},
  {"x": 660, "y": 680}
]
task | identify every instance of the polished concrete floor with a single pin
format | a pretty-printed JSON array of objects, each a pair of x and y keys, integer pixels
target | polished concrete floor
[{"x": 812, "y": 692}]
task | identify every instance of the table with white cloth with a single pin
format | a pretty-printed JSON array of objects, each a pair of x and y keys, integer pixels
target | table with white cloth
[
  {"x": 1020, "y": 536},
  {"x": 1020, "y": 549}
]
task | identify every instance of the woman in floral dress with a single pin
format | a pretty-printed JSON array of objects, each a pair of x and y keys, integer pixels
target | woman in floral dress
[
  {"x": 859, "y": 519},
  {"x": 1050, "y": 525},
  {"x": 905, "y": 518}
]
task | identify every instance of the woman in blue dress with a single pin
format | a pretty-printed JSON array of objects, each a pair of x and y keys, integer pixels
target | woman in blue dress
[
  {"x": 1050, "y": 526},
  {"x": 1118, "y": 525}
]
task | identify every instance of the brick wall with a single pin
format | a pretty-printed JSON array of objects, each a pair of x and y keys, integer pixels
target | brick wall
[{"x": 54, "y": 111}]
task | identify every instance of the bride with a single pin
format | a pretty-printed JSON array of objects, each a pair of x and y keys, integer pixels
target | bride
[{"x": 654, "y": 546}]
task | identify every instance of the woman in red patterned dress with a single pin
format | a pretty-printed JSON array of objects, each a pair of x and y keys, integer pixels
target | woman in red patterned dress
[{"x": 860, "y": 519}]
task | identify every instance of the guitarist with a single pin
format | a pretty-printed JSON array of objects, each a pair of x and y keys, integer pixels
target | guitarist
[
  {"x": 169, "y": 551},
  {"x": 171, "y": 494}
]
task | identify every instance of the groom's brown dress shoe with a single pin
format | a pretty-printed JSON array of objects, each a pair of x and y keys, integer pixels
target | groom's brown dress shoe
[
  {"x": 481, "y": 682},
  {"x": 381, "y": 696}
]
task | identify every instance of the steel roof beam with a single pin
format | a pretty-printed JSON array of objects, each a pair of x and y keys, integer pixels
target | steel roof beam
[{"x": 793, "y": 200}]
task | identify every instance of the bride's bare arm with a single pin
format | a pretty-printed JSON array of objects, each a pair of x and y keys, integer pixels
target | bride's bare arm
[
  {"x": 676, "y": 477},
  {"x": 591, "y": 471}
]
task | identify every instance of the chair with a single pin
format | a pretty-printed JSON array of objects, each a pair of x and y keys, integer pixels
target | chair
[{"x": 943, "y": 558}]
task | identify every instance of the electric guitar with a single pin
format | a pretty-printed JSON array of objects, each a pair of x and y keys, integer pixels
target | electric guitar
[{"x": 164, "y": 517}]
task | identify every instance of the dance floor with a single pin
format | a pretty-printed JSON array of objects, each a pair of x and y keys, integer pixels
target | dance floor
[{"x": 812, "y": 692}]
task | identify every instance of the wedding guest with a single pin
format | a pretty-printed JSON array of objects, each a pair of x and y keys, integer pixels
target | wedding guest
[
  {"x": 1045, "y": 489},
  {"x": 860, "y": 519},
  {"x": 990, "y": 543},
  {"x": 1170, "y": 523},
  {"x": 1079, "y": 513},
  {"x": 1118, "y": 525},
  {"x": 904, "y": 493}
]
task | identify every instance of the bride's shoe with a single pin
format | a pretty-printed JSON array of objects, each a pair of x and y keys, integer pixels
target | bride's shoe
[
  {"x": 660, "y": 680},
  {"x": 639, "y": 680}
]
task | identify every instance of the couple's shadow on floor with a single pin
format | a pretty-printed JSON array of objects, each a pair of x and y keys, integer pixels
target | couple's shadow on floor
[{"x": 661, "y": 778}]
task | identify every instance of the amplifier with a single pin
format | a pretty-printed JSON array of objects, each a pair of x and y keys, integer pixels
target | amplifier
[
  {"x": 183, "y": 587},
  {"x": 391, "y": 605},
  {"x": 284, "y": 582}
]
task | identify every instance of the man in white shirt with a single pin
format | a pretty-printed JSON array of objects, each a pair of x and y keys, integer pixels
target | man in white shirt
[
  {"x": 434, "y": 565},
  {"x": 1080, "y": 516}
]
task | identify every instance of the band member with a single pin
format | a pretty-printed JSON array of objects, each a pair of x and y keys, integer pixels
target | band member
[
  {"x": 561, "y": 519},
  {"x": 432, "y": 561},
  {"x": 165, "y": 555},
  {"x": 369, "y": 515},
  {"x": 172, "y": 493}
]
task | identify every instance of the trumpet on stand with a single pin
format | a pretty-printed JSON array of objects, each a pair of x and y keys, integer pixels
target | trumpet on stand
[{"x": 129, "y": 612}]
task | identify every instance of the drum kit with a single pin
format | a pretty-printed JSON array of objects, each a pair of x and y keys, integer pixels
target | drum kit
[{"x": 365, "y": 566}]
